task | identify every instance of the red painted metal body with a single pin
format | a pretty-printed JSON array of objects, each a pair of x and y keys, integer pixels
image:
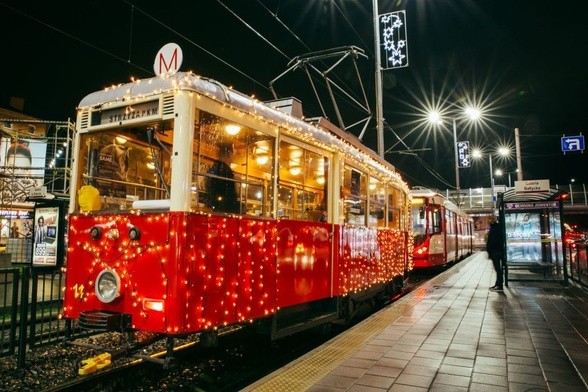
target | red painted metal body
[{"x": 209, "y": 271}]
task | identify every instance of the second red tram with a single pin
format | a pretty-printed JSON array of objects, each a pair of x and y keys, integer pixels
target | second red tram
[
  {"x": 443, "y": 234},
  {"x": 194, "y": 207}
]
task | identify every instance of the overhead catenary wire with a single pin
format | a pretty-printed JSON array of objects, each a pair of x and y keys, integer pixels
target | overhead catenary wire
[
  {"x": 129, "y": 61},
  {"x": 196, "y": 45},
  {"x": 72, "y": 36}
]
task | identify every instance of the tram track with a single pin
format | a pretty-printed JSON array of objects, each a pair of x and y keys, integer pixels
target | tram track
[{"x": 240, "y": 359}]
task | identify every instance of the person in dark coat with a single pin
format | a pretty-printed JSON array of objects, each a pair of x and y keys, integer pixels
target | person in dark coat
[
  {"x": 220, "y": 185},
  {"x": 495, "y": 249}
]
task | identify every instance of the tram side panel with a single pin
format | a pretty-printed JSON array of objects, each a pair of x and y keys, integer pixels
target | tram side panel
[
  {"x": 368, "y": 256},
  {"x": 304, "y": 262},
  {"x": 233, "y": 271}
]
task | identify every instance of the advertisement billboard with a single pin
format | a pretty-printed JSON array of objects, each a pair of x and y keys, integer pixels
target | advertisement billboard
[{"x": 49, "y": 224}]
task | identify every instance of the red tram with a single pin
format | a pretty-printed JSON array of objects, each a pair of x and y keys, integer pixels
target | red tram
[
  {"x": 195, "y": 207},
  {"x": 443, "y": 234}
]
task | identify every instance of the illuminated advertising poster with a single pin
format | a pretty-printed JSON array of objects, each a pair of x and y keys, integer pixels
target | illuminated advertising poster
[
  {"x": 523, "y": 236},
  {"x": 46, "y": 236},
  {"x": 22, "y": 163}
]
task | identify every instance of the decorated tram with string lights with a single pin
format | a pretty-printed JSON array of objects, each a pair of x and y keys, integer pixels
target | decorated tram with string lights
[
  {"x": 196, "y": 207},
  {"x": 443, "y": 233}
]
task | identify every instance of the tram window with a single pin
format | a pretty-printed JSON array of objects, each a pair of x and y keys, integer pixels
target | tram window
[
  {"x": 436, "y": 218},
  {"x": 377, "y": 196},
  {"x": 302, "y": 183},
  {"x": 232, "y": 167},
  {"x": 354, "y": 194},
  {"x": 395, "y": 205},
  {"x": 449, "y": 216},
  {"x": 125, "y": 165}
]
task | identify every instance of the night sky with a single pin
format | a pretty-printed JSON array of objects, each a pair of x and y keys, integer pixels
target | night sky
[{"x": 524, "y": 61}]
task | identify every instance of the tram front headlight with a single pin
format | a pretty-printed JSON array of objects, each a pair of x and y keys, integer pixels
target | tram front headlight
[{"x": 107, "y": 286}]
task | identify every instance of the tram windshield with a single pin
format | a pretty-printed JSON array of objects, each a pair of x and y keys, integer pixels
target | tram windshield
[
  {"x": 124, "y": 165},
  {"x": 419, "y": 221}
]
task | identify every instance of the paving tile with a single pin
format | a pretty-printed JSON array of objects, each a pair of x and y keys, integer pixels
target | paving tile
[
  {"x": 517, "y": 387},
  {"x": 397, "y": 354},
  {"x": 348, "y": 371},
  {"x": 359, "y": 363},
  {"x": 338, "y": 381},
  {"x": 451, "y": 379},
  {"x": 512, "y": 367},
  {"x": 392, "y": 362},
  {"x": 364, "y": 354},
  {"x": 525, "y": 378},
  {"x": 483, "y": 378},
  {"x": 456, "y": 370},
  {"x": 476, "y": 387},
  {"x": 490, "y": 369},
  {"x": 522, "y": 353},
  {"x": 438, "y": 387},
  {"x": 375, "y": 381},
  {"x": 492, "y": 361},
  {"x": 420, "y": 370},
  {"x": 406, "y": 388},
  {"x": 431, "y": 362},
  {"x": 467, "y": 362},
  {"x": 430, "y": 354},
  {"x": 435, "y": 347},
  {"x": 414, "y": 380},
  {"x": 406, "y": 348},
  {"x": 384, "y": 371},
  {"x": 522, "y": 360},
  {"x": 462, "y": 353}
]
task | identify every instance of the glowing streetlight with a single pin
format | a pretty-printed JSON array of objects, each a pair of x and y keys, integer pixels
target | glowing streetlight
[
  {"x": 471, "y": 113},
  {"x": 502, "y": 152}
]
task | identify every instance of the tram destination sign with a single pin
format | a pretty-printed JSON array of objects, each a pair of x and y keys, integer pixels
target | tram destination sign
[{"x": 140, "y": 111}]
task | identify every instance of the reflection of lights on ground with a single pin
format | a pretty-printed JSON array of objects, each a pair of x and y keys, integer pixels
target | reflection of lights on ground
[{"x": 421, "y": 292}]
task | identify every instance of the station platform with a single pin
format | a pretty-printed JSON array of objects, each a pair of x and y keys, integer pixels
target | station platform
[{"x": 453, "y": 334}]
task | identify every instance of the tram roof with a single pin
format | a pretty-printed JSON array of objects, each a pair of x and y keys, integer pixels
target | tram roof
[{"x": 144, "y": 88}]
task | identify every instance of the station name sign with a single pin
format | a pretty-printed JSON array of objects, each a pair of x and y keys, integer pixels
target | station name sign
[
  {"x": 127, "y": 113},
  {"x": 532, "y": 186}
]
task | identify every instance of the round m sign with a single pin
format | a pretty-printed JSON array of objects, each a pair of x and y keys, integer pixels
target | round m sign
[{"x": 168, "y": 60}]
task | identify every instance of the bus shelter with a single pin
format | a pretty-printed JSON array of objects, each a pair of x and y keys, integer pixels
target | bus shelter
[{"x": 533, "y": 229}]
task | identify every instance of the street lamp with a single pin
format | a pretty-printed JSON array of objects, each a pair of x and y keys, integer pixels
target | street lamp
[
  {"x": 502, "y": 152},
  {"x": 471, "y": 113}
]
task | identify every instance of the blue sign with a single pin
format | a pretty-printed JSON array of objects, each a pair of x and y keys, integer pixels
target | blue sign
[{"x": 572, "y": 143}]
